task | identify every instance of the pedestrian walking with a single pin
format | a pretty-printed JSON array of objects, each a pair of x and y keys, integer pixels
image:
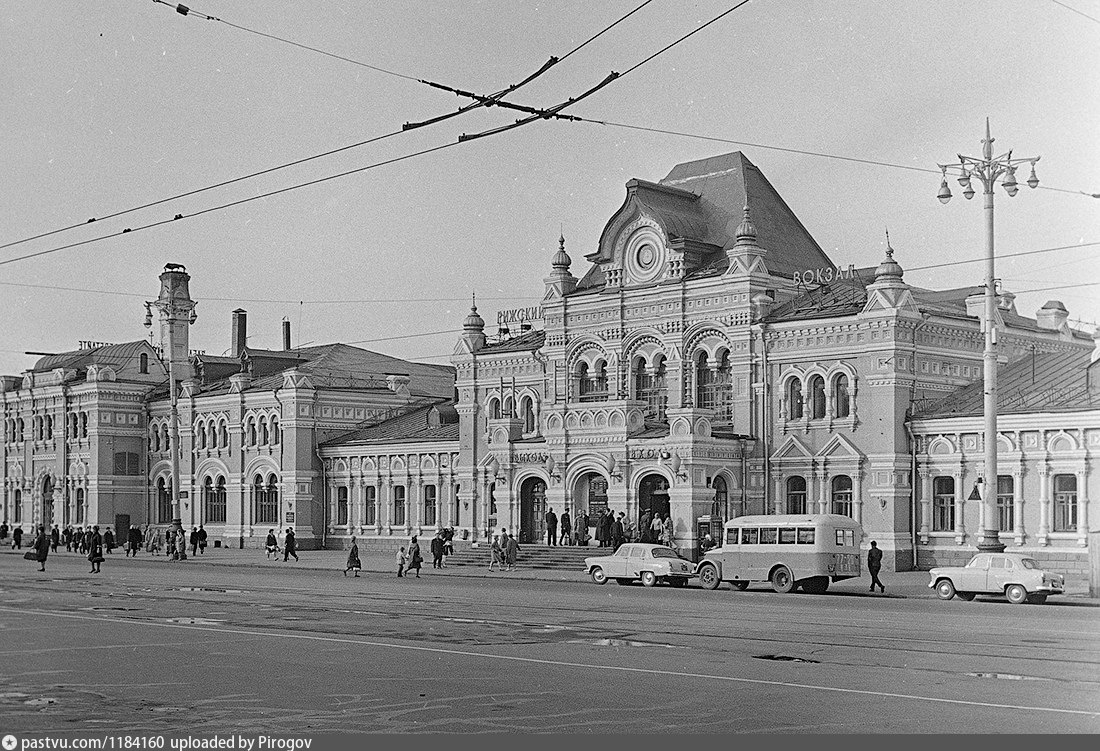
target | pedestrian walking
[
  {"x": 874, "y": 565},
  {"x": 566, "y": 528},
  {"x": 193, "y": 539},
  {"x": 271, "y": 545},
  {"x": 202, "y": 540},
  {"x": 551, "y": 527},
  {"x": 581, "y": 529},
  {"x": 67, "y": 538},
  {"x": 95, "y": 549},
  {"x": 448, "y": 542},
  {"x": 607, "y": 518},
  {"x": 133, "y": 541},
  {"x": 511, "y": 553},
  {"x": 644, "y": 527},
  {"x": 437, "y": 550},
  {"x": 656, "y": 528},
  {"x": 108, "y": 540},
  {"x": 4, "y": 530},
  {"x": 617, "y": 532},
  {"x": 17, "y": 538},
  {"x": 402, "y": 559},
  {"x": 55, "y": 538},
  {"x": 181, "y": 545},
  {"x": 415, "y": 559},
  {"x": 353, "y": 563},
  {"x": 41, "y": 548},
  {"x": 290, "y": 546},
  {"x": 669, "y": 531},
  {"x": 496, "y": 550}
]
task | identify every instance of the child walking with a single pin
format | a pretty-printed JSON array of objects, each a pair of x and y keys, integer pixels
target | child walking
[{"x": 401, "y": 560}]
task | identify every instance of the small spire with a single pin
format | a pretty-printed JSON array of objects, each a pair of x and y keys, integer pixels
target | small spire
[
  {"x": 561, "y": 260},
  {"x": 473, "y": 301},
  {"x": 889, "y": 250},
  {"x": 746, "y": 230}
]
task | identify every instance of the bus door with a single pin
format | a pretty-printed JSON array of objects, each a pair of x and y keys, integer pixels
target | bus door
[
  {"x": 731, "y": 556},
  {"x": 749, "y": 558}
]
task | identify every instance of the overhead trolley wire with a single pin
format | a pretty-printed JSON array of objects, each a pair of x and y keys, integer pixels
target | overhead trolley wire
[{"x": 483, "y": 101}]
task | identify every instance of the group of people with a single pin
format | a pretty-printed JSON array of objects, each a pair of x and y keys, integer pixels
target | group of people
[
  {"x": 89, "y": 542},
  {"x": 504, "y": 550},
  {"x": 290, "y": 546},
  {"x": 610, "y": 529}
]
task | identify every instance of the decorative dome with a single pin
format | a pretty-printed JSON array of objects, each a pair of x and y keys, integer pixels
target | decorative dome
[
  {"x": 889, "y": 268},
  {"x": 473, "y": 322},
  {"x": 746, "y": 230},
  {"x": 561, "y": 260}
]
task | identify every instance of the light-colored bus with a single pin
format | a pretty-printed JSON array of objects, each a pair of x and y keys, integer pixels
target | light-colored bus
[{"x": 791, "y": 551}]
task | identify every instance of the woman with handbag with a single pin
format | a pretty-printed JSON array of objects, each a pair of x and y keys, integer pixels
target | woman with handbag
[
  {"x": 40, "y": 548},
  {"x": 353, "y": 559},
  {"x": 95, "y": 549},
  {"x": 415, "y": 559}
]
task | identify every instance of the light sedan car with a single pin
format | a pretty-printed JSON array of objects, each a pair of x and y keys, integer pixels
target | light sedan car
[
  {"x": 1014, "y": 575},
  {"x": 637, "y": 560}
]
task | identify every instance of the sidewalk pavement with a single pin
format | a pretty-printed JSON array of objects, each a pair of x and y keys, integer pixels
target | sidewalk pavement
[{"x": 899, "y": 585}]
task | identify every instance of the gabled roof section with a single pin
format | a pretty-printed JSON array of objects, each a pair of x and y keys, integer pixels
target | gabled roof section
[
  {"x": 1051, "y": 382},
  {"x": 527, "y": 342},
  {"x": 845, "y": 297},
  {"x": 433, "y": 422},
  {"x": 112, "y": 355}
]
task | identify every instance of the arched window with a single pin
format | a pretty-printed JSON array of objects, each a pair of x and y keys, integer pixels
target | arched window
[
  {"x": 370, "y": 505},
  {"x": 251, "y": 431},
  {"x": 649, "y": 386},
  {"x": 494, "y": 409},
  {"x": 143, "y": 363},
  {"x": 842, "y": 405},
  {"x": 80, "y": 513},
  {"x": 796, "y": 495},
  {"x": 49, "y": 426},
  {"x": 794, "y": 399},
  {"x": 74, "y": 426},
  {"x": 165, "y": 445},
  {"x": 817, "y": 398},
  {"x": 842, "y": 495},
  {"x": 507, "y": 409},
  {"x": 943, "y": 504},
  {"x": 83, "y": 424},
  {"x": 398, "y": 505},
  {"x": 154, "y": 439},
  {"x": 164, "y": 501},
  {"x": 429, "y": 505},
  {"x": 266, "y": 499},
  {"x": 527, "y": 412},
  {"x": 264, "y": 436},
  {"x": 342, "y": 506},
  {"x": 207, "y": 497},
  {"x": 217, "y": 514},
  {"x": 1065, "y": 503},
  {"x": 17, "y": 509},
  {"x": 721, "y": 496},
  {"x": 275, "y": 431},
  {"x": 223, "y": 435},
  {"x": 200, "y": 436},
  {"x": 712, "y": 383},
  {"x": 211, "y": 435}
]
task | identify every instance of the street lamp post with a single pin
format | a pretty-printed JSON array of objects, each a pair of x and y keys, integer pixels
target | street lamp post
[
  {"x": 987, "y": 170},
  {"x": 177, "y": 312}
]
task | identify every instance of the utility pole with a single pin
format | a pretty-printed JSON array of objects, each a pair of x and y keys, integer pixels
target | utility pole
[{"x": 987, "y": 169}]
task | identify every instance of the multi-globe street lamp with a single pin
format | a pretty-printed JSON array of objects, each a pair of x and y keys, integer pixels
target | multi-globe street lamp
[{"x": 987, "y": 170}]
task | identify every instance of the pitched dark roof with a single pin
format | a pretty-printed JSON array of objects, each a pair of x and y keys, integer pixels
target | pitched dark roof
[
  {"x": 106, "y": 354},
  {"x": 422, "y": 424},
  {"x": 702, "y": 201},
  {"x": 845, "y": 297},
  {"x": 1051, "y": 382},
  {"x": 526, "y": 342}
]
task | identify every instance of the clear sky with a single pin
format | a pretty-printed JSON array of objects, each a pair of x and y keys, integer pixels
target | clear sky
[{"x": 109, "y": 105}]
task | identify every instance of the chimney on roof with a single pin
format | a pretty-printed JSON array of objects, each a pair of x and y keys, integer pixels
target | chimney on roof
[
  {"x": 286, "y": 334},
  {"x": 240, "y": 333},
  {"x": 1052, "y": 316}
]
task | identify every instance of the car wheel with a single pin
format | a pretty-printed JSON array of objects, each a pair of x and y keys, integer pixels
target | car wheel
[
  {"x": 648, "y": 578},
  {"x": 816, "y": 585},
  {"x": 1037, "y": 599},
  {"x": 782, "y": 581},
  {"x": 945, "y": 589},
  {"x": 1016, "y": 594},
  {"x": 965, "y": 596},
  {"x": 740, "y": 586},
  {"x": 598, "y": 575},
  {"x": 708, "y": 577}
]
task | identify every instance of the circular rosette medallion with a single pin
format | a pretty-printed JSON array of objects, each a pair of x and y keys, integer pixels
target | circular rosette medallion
[{"x": 644, "y": 255}]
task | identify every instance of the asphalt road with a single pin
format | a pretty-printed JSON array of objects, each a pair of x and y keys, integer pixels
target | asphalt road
[{"x": 149, "y": 646}]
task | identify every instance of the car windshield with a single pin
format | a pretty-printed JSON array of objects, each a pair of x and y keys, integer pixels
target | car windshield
[
  {"x": 1030, "y": 563},
  {"x": 978, "y": 560},
  {"x": 664, "y": 553}
]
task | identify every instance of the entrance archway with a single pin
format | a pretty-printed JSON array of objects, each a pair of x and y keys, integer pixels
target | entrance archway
[
  {"x": 47, "y": 503},
  {"x": 653, "y": 495},
  {"x": 532, "y": 502}
]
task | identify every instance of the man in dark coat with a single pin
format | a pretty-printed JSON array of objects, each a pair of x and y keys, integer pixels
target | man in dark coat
[
  {"x": 41, "y": 548},
  {"x": 95, "y": 548},
  {"x": 566, "y": 528},
  {"x": 874, "y": 565},
  {"x": 67, "y": 536},
  {"x": 133, "y": 540},
  {"x": 17, "y": 538},
  {"x": 55, "y": 538},
  {"x": 194, "y": 541},
  {"x": 617, "y": 535},
  {"x": 3, "y": 530},
  {"x": 108, "y": 540},
  {"x": 290, "y": 547},
  {"x": 581, "y": 528},
  {"x": 643, "y": 527},
  {"x": 605, "y": 528},
  {"x": 437, "y": 550},
  {"x": 202, "y": 540},
  {"x": 551, "y": 527}
]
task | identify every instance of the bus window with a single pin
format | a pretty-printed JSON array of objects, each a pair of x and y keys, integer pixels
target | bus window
[
  {"x": 768, "y": 535},
  {"x": 786, "y": 535},
  {"x": 805, "y": 535},
  {"x": 731, "y": 536},
  {"x": 750, "y": 536},
  {"x": 845, "y": 537}
]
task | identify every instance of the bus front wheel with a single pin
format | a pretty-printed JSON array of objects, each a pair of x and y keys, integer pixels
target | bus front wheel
[
  {"x": 708, "y": 577},
  {"x": 782, "y": 581}
]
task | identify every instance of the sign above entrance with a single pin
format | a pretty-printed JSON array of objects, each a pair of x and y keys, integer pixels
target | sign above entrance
[
  {"x": 519, "y": 315},
  {"x": 824, "y": 275}
]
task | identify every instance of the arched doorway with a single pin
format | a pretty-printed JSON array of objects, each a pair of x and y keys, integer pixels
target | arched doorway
[
  {"x": 532, "y": 505},
  {"x": 47, "y": 503},
  {"x": 653, "y": 495}
]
